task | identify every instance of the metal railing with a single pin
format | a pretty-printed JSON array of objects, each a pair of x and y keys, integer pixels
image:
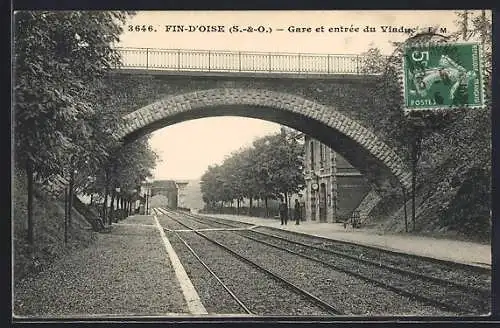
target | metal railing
[{"x": 239, "y": 61}]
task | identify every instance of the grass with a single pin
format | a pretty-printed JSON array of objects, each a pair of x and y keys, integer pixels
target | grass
[{"x": 48, "y": 217}]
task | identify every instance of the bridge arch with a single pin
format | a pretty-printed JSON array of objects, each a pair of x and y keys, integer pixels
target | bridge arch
[{"x": 361, "y": 147}]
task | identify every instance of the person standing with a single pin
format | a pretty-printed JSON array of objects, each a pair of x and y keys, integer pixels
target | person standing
[
  {"x": 283, "y": 212},
  {"x": 297, "y": 211}
]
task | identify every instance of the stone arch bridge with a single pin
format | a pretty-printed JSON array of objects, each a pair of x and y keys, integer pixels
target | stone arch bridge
[{"x": 324, "y": 96}]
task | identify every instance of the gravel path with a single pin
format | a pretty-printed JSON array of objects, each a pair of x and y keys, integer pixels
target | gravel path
[
  {"x": 125, "y": 272},
  {"x": 260, "y": 293},
  {"x": 351, "y": 295},
  {"x": 139, "y": 219}
]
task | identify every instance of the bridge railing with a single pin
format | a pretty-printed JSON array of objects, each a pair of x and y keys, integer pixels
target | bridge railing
[{"x": 240, "y": 61}]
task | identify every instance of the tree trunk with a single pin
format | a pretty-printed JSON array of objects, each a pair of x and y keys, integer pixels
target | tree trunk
[
  {"x": 465, "y": 25},
  {"x": 238, "y": 206},
  {"x": 91, "y": 199},
  {"x": 413, "y": 196},
  {"x": 70, "y": 202},
  {"x": 111, "y": 209},
  {"x": 29, "y": 177},
  {"x": 105, "y": 204},
  {"x": 286, "y": 203},
  {"x": 267, "y": 210},
  {"x": 406, "y": 215},
  {"x": 415, "y": 158},
  {"x": 66, "y": 207},
  {"x": 250, "y": 206},
  {"x": 484, "y": 29}
]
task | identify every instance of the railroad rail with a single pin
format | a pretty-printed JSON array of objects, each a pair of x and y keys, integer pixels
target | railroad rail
[
  {"x": 474, "y": 268},
  {"x": 240, "y": 303},
  {"x": 470, "y": 292},
  {"x": 326, "y": 306},
  {"x": 465, "y": 288},
  {"x": 241, "y": 61}
]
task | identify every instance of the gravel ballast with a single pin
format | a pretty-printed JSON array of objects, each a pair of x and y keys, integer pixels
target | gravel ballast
[
  {"x": 465, "y": 276},
  {"x": 468, "y": 301},
  {"x": 457, "y": 299},
  {"x": 260, "y": 293},
  {"x": 351, "y": 295},
  {"x": 168, "y": 223},
  {"x": 213, "y": 296},
  {"x": 125, "y": 272}
]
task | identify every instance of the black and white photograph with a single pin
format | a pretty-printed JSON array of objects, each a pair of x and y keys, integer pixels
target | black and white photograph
[{"x": 251, "y": 164}]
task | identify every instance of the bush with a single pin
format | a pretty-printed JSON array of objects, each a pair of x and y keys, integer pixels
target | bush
[
  {"x": 469, "y": 211},
  {"x": 254, "y": 211}
]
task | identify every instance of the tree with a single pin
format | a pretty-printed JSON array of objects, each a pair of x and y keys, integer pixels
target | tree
[
  {"x": 210, "y": 185},
  {"x": 127, "y": 169},
  {"x": 270, "y": 169},
  {"x": 429, "y": 140},
  {"x": 58, "y": 58}
]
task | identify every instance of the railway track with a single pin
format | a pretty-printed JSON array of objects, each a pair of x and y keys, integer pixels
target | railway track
[
  {"x": 444, "y": 294},
  {"x": 226, "y": 288},
  {"x": 429, "y": 267},
  {"x": 328, "y": 308}
]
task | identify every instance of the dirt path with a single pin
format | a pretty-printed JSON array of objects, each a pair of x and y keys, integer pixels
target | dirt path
[{"x": 125, "y": 272}]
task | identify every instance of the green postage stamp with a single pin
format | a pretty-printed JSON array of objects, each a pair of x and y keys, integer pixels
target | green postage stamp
[{"x": 440, "y": 76}]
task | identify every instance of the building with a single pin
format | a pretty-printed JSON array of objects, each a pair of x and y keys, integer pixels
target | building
[
  {"x": 166, "y": 188},
  {"x": 334, "y": 188},
  {"x": 181, "y": 193}
]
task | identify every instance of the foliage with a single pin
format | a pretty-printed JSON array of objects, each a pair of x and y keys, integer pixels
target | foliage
[
  {"x": 60, "y": 57},
  {"x": 470, "y": 211},
  {"x": 454, "y": 144},
  {"x": 268, "y": 169},
  {"x": 65, "y": 109}
]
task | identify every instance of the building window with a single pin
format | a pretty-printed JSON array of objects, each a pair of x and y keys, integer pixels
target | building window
[
  {"x": 311, "y": 145},
  {"x": 322, "y": 155}
]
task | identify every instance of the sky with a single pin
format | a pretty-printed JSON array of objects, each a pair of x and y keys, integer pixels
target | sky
[{"x": 186, "y": 149}]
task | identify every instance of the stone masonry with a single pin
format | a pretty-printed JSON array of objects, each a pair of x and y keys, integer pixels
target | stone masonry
[
  {"x": 175, "y": 108},
  {"x": 332, "y": 109}
]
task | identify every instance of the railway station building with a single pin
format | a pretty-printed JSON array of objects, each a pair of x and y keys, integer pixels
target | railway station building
[{"x": 334, "y": 188}]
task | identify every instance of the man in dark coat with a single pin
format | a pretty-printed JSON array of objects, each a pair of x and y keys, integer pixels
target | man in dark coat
[
  {"x": 283, "y": 212},
  {"x": 297, "y": 211}
]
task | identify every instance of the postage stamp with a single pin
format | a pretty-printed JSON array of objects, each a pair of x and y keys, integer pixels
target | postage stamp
[{"x": 442, "y": 76}]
